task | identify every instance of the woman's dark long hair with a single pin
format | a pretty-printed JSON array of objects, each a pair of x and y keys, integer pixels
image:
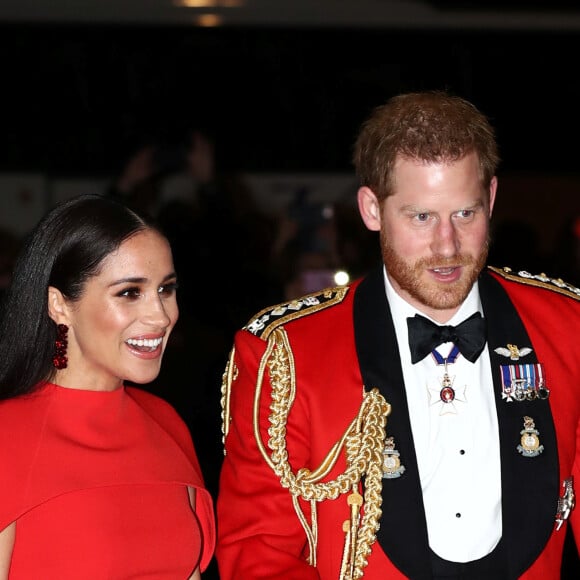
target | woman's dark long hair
[{"x": 64, "y": 250}]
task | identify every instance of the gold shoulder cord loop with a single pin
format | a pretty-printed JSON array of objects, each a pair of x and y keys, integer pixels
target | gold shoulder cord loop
[{"x": 363, "y": 443}]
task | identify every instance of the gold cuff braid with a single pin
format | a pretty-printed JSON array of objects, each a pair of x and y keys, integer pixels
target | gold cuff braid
[{"x": 363, "y": 442}]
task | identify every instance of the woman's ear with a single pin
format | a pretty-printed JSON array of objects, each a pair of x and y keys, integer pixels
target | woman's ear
[
  {"x": 57, "y": 307},
  {"x": 369, "y": 208}
]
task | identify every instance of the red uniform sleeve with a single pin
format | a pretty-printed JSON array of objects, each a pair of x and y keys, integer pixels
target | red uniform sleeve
[{"x": 259, "y": 533}]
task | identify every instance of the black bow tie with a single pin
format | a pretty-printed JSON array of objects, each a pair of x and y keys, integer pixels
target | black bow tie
[{"x": 424, "y": 336}]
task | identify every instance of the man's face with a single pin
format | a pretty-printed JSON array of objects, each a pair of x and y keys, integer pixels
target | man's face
[{"x": 434, "y": 232}]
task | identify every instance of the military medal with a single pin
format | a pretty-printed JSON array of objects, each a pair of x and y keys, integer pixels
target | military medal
[
  {"x": 446, "y": 393},
  {"x": 530, "y": 442},
  {"x": 392, "y": 466},
  {"x": 523, "y": 382},
  {"x": 566, "y": 502}
]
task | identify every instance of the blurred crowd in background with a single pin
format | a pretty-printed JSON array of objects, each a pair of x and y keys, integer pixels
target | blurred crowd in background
[{"x": 234, "y": 258}]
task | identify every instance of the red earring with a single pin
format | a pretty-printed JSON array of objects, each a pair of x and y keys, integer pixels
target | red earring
[{"x": 59, "y": 360}]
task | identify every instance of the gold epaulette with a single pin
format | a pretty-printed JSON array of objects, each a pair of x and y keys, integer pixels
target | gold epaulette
[
  {"x": 272, "y": 317},
  {"x": 539, "y": 280}
]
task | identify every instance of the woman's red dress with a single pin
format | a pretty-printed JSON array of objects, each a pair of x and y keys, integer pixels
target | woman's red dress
[{"x": 97, "y": 484}]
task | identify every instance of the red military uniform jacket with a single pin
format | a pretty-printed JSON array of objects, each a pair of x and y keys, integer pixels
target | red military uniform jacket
[{"x": 304, "y": 416}]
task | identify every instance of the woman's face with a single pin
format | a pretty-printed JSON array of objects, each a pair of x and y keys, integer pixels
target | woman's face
[{"x": 119, "y": 328}]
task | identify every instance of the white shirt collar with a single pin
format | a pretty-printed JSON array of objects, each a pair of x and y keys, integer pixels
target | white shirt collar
[{"x": 401, "y": 310}]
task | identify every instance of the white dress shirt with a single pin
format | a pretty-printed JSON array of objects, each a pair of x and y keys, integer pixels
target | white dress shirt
[{"x": 457, "y": 444}]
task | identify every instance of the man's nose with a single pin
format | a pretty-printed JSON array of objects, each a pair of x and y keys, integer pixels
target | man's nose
[{"x": 445, "y": 241}]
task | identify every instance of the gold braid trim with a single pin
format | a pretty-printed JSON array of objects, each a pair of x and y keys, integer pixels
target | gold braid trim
[
  {"x": 229, "y": 376},
  {"x": 363, "y": 443},
  {"x": 539, "y": 280}
]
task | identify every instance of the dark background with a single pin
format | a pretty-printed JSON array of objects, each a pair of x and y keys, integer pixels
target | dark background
[{"x": 77, "y": 99}]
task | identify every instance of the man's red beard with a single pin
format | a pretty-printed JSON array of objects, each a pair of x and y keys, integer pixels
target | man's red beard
[{"x": 432, "y": 294}]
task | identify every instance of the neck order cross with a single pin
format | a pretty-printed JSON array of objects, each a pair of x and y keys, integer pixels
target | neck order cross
[{"x": 446, "y": 394}]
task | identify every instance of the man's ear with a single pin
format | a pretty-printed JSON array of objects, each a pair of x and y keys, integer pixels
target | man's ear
[
  {"x": 369, "y": 208},
  {"x": 57, "y": 306},
  {"x": 492, "y": 192}
]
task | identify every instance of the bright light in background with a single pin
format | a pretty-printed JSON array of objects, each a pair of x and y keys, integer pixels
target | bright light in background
[
  {"x": 207, "y": 16},
  {"x": 196, "y": 3},
  {"x": 341, "y": 278},
  {"x": 209, "y": 20},
  {"x": 209, "y": 3}
]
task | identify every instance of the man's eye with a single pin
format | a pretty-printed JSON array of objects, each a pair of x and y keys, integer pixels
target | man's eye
[
  {"x": 466, "y": 213},
  {"x": 422, "y": 217}
]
